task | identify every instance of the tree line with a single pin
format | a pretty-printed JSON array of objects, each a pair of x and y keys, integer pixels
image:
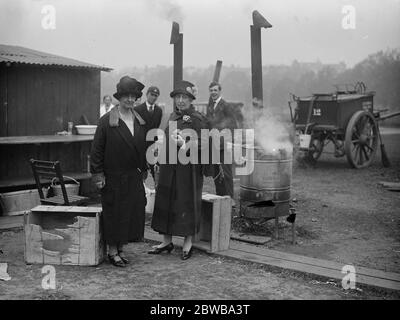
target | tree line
[{"x": 379, "y": 71}]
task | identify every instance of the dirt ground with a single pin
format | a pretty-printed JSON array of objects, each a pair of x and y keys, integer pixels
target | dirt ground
[
  {"x": 166, "y": 277},
  {"x": 342, "y": 215}
]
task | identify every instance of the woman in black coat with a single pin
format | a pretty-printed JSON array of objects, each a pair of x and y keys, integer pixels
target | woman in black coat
[
  {"x": 177, "y": 205},
  {"x": 117, "y": 164}
]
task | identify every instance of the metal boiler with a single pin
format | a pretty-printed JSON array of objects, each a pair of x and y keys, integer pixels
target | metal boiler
[{"x": 265, "y": 193}]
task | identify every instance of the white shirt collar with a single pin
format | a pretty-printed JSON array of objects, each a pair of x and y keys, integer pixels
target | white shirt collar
[
  {"x": 148, "y": 105},
  {"x": 217, "y": 101},
  {"x": 110, "y": 107},
  {"x": 103, "y": 109}
]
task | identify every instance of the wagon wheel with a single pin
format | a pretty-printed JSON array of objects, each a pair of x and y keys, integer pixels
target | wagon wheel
[
  {"x": 361, "y": 139},
  {"x": 316, "y": 147}
]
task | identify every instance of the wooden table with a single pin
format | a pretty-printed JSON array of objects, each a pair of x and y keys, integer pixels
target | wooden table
[{"x": 45, "y": 139}]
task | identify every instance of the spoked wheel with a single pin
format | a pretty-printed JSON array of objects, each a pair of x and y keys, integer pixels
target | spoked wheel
[
  {"x": 361, "y": 139},
  {"x": 316, "y": 147}
]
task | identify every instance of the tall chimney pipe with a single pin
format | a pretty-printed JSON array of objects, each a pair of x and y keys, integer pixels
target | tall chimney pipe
[
  {"x": 177, "y": 41},
  {"x": 256, "y": 57},
  {"x": 217, "y": 71},
  {"x": 256, "y": 66}
]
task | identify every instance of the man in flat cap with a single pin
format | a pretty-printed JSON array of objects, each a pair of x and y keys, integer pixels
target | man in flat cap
[
  {"x": 152, "y": 114},
  {"x": 118, "y": 160}
]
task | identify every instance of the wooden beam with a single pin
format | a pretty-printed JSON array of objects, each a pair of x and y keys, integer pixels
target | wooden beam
[{"x": 312, "y": 261}]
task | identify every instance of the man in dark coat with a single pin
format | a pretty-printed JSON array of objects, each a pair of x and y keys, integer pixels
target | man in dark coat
[
  {"x": 149, "y": 110},
  {"x": 152, "y": 114},
  {"x": 117, "y": 163},
  {"x": 177, "y": 205},
  {"x": 221, "y": 116}
]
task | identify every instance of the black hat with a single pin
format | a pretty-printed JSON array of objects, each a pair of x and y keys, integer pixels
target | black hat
[
  {"x": 128, "y": 85},
  {"x": 154, "y": 89},
  {"x": 185, "y": 87}
]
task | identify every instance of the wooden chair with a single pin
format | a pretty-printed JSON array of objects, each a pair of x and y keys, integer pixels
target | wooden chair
[{"x": 49, "y": 170}]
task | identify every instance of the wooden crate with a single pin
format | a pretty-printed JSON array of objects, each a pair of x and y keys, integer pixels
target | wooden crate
[
  {"x": 63, "y": 235},
  {"x": 215, "y": 225}
]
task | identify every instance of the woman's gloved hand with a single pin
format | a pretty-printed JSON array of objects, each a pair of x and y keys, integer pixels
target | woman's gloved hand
[
  {"x": 99, "y": 180},
  {"x": 177, "y": 138}
]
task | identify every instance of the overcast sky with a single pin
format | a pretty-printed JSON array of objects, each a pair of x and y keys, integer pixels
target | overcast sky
[{"x": 137, "y": 32}]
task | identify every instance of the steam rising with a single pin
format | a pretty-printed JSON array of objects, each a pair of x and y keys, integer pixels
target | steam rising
[
  {"x": 271, "y": 132},
  {"x": 169, "y": 10}
]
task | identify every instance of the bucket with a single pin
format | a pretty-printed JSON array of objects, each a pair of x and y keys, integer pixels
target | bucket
[
  {"x": 150, "y": 196},
  {"x": 71, "y": 188},
  {"x": 305, "y": 140}
]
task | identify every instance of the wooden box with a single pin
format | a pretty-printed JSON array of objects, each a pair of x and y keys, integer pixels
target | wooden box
[
  {"x": 63, "y": 235},
  {"x": 215, "y": 226}
]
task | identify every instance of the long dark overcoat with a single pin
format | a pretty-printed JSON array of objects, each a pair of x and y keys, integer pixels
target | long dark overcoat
[
  {"x": 120, "y": 159},
  {"x": 176, "y": 193}
]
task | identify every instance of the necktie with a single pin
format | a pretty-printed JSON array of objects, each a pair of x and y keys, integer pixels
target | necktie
[
  {"x": 214, "y": 106},
  {"x": 151, "y": 109}
]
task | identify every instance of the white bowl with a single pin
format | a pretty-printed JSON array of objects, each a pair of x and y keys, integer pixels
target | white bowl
[{"x": 86, "y": 129}]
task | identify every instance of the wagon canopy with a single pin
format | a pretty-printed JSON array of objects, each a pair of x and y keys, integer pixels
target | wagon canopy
[{"x": 338, "y": 97}]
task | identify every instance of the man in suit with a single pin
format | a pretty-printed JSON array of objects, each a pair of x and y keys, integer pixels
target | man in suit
[
  {"x": 152, "y": 114},
  {"x": 221, "y": 116},
  {"x": 106, "y": 106}
]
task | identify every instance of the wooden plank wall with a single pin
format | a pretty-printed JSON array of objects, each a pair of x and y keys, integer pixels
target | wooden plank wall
[
  {"x": 3, "y": 100},
  {"x": 14, "y": 160},
  {"x": 38, "y": 100},
  {"x": 42, "y": 100}
]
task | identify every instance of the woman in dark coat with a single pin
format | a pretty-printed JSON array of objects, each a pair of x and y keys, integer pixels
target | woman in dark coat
[
  {"x": 177, "y": 205},
  {"x": 117, "y": 163}
]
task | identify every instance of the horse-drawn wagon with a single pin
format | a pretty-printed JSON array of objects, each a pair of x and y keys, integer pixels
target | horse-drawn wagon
[{"x": 346, "y": 118}]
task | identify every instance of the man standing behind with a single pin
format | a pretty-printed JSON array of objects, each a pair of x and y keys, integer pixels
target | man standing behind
[
  {"x": 221, "y": 116},
  {"x": 152, "y": 114},
  {"x": 106, "y": 106}
]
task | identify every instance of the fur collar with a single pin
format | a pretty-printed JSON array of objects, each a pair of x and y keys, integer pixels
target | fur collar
[{"x": 114, "y": 117}]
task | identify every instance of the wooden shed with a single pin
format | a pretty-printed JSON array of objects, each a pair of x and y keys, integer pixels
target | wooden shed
[{"x": 39, "y": 94}]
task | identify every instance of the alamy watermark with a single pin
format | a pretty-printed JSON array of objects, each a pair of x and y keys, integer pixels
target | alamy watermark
[
  {"x": 49, "y": 280},
  {"x": 49, "y": 17},
  {"x": 204, "y": 149},
  {"x": 349, "y": 18},
  {"x": 349, "y": 280}
]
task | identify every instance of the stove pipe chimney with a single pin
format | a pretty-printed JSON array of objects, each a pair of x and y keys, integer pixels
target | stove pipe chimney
[
  {"x": 217, "y": 71},
  {"x": 256, "y": 62},
  {"x": 177, "y": 41}
]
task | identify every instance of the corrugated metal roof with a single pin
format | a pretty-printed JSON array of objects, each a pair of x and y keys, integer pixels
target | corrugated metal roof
[{"x": 16, "y": 54}]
